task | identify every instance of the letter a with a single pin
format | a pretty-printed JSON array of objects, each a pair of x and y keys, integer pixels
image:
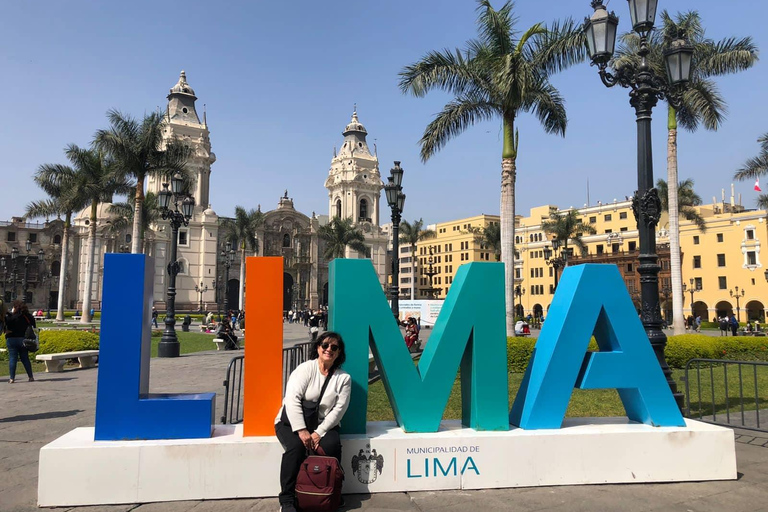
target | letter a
[{"x": 592, "y": 299}]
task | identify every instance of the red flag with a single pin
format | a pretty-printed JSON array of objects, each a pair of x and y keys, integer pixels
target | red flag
[{"x": 757, "y": 185}]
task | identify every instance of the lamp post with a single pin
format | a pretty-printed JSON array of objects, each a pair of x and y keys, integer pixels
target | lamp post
[
  {"x": 396, "y": 201},
  {"x": 431, "y": 274},
  {"x": 4, "y": 266},
  {"x": 693, "y": 289},
  {"x": 169, "y": 343},
  {"x": 666, "y": 292},
  {"x": 227, "y": 258},
  {"x": 737, "y": 296},
  {"x": 201, "y": 291},
  {"x": 519, "y": 292},
  {"x": 14, "y": 272},
  {"x": 551, "y": 258},
  {"x": 646, "y": 89}
]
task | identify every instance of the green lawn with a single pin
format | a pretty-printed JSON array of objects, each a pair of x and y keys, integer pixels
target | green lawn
[{"x": 600, "y": 402}]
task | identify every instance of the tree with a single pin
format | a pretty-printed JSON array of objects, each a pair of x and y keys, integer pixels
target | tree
[
  {"x": 241, "y": 232},
  {"x": 567, "y": 227},
  {"x": 340, "y": 234},
  {"x": 58, "y": 181},
  {"x": 95, "y": 181},
  {"x": 488, "y": 237},
  {"x": 498, "y": 76},
  {"x": 139, "y": 151},
  {"x": 756, "y": 167},
  {"x": 411, "y": 234},
  {"x": 687, "y": 198},
  {"x": 123, "y": 212},
  {"x": 701, "y": 104}
]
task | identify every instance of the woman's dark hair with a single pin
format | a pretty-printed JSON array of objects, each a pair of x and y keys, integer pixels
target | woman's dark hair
[
  {"x": 19, "y": 306},
  {"x": 334, "y": 336}
]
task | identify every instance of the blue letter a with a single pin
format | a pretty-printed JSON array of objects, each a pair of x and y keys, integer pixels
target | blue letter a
[
  {"x": 469, "y": 333},
  {"x": 592, "y": 299}
]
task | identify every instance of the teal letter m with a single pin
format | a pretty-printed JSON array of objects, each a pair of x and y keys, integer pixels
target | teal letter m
[{"x": 469, "y": 334}]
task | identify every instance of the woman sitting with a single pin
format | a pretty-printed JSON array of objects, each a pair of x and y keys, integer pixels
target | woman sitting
[
  {"x": 226, "y": 333},
  {"x": 321, "y": 375}
]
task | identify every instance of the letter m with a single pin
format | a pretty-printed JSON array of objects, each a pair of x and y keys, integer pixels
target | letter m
[{"x": 469, "y": 335}]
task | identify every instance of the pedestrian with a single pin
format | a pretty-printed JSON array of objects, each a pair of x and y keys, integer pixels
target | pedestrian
[
  {"x": 15, "y": 327},
  {"x": 290, "y": 316},
  {"x": 734, "y": 325},
  {"x": 698, "y": 323},
  {"x": 154, "y": 317},
  {"x": 723, "y": 321},
  {"x": 314, "y": 324}
]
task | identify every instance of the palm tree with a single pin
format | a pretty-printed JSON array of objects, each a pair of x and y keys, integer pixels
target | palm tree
[
  {"x": 489, "y": 237},
  {"x": 701, "y": 104},
  {"x": 57, "y": 181},
  {"x": 241, "y": 232},
  {"x": 123, "y": 212},
  {"x": 756, "y": 167},
  {"x": 501, "y": 74},
  {"x": 411, "y": 234},
  {"x": 139, "y": 151},
  {"x": 340, "y": 234},
  {"x": 687, "y": 199},
  {"x": 567, "y": 227}
]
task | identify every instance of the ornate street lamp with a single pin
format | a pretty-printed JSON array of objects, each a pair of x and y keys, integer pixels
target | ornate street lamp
[
  {"x": 169, "y": 343},
  {"x": 735, "y": 294},
  {"x": 693, "y": 289},
  {"x": 201, "y": 291},
  {"x": 646, "y": 90},
  {"x": 15, "y": 271},
  {"x": 27, "y": 261},
  {"x": 519, "y": 292},
  {"x": 4, "y": 266},
  {"x": 227, "y": 258},
  {"x": 551, "y": 258},
  {"x": 396, "y": 201}
]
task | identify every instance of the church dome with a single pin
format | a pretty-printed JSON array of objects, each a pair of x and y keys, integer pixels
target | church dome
[
  {"x": 209, "y": 212},
  {"x": 182, "y": 87},
  {"x": 354, "y": 125}
]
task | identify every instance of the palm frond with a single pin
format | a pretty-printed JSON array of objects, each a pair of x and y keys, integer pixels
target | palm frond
[
  {"x": 562, "y": 45},
  {"x": 455, "y": 118}
]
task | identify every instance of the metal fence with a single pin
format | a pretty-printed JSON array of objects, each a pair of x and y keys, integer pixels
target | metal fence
[
  {"x": 727, "y": 393},
  {"x": 233, "y": 384}
]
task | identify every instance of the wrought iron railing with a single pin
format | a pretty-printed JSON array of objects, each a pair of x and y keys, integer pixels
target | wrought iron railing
[
  {"x": 233, "y": 384},
  {"x": 727, "y": 393}
]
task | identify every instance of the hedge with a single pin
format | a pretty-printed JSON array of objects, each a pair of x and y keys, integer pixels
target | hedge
[{"x": 680, "y": 349}]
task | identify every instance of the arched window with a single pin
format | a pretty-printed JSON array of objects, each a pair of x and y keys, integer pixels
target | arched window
[
  {"x": 286, "y": 240},
  {"x": 338, "y": 208},
  {"x": 363, "y": 209},
  {"x": 183, "y": 266},
  {"x": 55, "y": 268},
  {"x": 57, "y": 239},
  {"x": 128, "y": 238}
]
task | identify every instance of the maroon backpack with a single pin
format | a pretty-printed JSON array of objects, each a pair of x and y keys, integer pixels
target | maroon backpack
[{"x": 318, "y": 486}]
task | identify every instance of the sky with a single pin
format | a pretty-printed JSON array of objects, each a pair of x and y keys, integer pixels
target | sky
[{"x": 279, "y": 81}]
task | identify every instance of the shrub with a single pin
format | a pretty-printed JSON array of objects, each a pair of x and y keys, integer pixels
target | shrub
[
  {"x": 519, "y": 350},
  {"x": 684, "y": 347},
  {"x": 55, "y": 341}
]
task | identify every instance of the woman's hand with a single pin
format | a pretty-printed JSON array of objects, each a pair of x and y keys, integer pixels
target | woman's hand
[
  {"x": 315, "y": 440},
  {"x": 306, "y": 438}
]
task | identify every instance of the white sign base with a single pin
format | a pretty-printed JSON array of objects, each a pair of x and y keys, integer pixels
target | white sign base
[{"x": 76, "y": 470}]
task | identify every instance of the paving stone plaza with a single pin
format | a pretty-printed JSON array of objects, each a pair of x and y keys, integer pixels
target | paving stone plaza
[{"x": 35, "y": 414}]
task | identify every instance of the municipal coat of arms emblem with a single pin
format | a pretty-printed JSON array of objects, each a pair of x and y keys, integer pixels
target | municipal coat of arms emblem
[{"x": 367, "y": 465}]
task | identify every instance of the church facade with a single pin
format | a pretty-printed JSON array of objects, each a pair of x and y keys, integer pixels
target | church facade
[{"x": 354, "y": 190}]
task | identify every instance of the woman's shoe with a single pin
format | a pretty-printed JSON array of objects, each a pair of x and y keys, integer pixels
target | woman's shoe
[
  {"x": 31, "y": 379},
  {"x": 11, "y": 381}
]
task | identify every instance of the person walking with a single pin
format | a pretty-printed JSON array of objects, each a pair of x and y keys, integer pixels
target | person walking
[
  {"x": 734, "y": 324},
  {"x": 16, "y": 323},
  {"x": 154, "y": 316},
  {"x": 698, "y": 323}
]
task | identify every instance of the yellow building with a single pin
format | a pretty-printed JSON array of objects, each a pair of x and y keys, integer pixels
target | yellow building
[{"x": 720, "y": 259}]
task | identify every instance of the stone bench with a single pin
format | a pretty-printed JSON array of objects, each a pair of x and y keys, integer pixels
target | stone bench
[
  {"x": 39, "y": 317},
  {"x": 54, "y": 363},
  {"x": 76, "y": 318},
  {"x": 220, "y": 344}
]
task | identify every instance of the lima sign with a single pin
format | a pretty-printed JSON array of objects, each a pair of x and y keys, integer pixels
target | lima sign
[{"x": 469, "y": 336}]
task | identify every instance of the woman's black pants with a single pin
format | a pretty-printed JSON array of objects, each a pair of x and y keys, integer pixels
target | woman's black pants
[{"x": 295, "y": 453}]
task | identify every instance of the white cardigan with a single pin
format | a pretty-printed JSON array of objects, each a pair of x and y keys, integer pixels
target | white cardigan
[{"x": 305, "y": 383}]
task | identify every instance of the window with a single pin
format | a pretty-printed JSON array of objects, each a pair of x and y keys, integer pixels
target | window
[
  {"x": 183, "y": 237},
  {"x": 615, "y": 248},
  {"x": 607, "y": 217},
  {"x": 55, "y": 268},
  {"x": 363, "y": 209},
  {"x": 697, "y": 283},
  {"x": 33, "y": 238},
  {"x": 751, "y": 258},
  {"x": 599, "y": 249},
  {"x": 286, "y": 240},
  {"x": 11, "y": 236},
  {"x": 696, "y": 240},
  {"x": 719, "y": 237},
  {"x": 551, "y": 289},
  {"x": 722, "y": 282},
  {"x": 592, "y": 220},
  {"x": 623, "y": 229},
  {"x": 57, "y": 239},
  {"x": 405, "y": 270},
  {"x": 721, "y": 260},
  {"x": 622, "y": 215},
  {"x": 697, "y": 262},
  {"x": 630, "y": 268},
  {"x": 750, "y": 234},
  {"x": 338, "y": 208},
  {"x": 608, "y": 231},
  {"x": 405, "y": 280},
  {"x": 632, "y": 246},
  {"x": 128, "y": 238},
  {"x": 405, "y": 249}
]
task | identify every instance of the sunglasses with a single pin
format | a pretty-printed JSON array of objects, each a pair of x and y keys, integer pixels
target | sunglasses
[{"x": 326, "y": 345}]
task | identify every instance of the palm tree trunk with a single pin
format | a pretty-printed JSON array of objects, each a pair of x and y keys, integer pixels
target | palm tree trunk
[
  {"x": 86, "y": 316},
  {"x": 63, "y": 267},
  {"x": 137, "y": 235},
  {"x": 678, "y": 320},
  {"x": 413, "y": 271},
  {"x": 507, "y": 219},
  {"x": 242, "y": 278}
]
